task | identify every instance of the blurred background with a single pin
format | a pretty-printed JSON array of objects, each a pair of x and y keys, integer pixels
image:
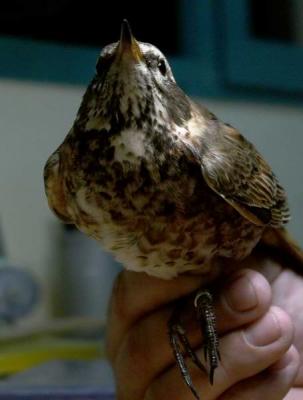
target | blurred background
[{"x": 242, "y": 58}]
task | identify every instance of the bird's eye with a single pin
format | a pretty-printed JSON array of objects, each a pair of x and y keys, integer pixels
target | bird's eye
[
  {"x": 102, "y": 65},
  {"x": 162, "y": 67}
]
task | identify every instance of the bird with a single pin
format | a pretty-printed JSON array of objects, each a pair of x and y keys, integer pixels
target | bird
[{"x": 163, "y": 184}]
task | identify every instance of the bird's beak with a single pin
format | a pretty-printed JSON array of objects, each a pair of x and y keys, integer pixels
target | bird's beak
[{"x": 128, "y": 45}]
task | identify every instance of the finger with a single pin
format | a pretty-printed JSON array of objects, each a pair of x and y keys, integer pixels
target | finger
[
  {"x": 146, "y": 351},
  {"x": 244, "y": 354},
  {"x": 245, "y": 297},
  {"x": 280, "y": 376},
  {"x": 136, "y": 294},
  {"x": 295, "y": 394},
  {"x": 262, "y": 262}
]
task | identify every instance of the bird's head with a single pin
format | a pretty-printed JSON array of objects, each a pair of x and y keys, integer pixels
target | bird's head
[{"x": 133, "y": 87}]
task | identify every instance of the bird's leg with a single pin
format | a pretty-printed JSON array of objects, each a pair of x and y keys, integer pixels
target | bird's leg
[
  {"x": 180, "y": 344},
  {"x": 207, "y": 319}
]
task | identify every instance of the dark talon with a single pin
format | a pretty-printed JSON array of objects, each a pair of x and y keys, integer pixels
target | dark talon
[
  {"x": 176, "y": 326},
  {"x": 189, "y": 350},
  {"x": 177, "y": 335},
  {"x": 206, "y": 316}
]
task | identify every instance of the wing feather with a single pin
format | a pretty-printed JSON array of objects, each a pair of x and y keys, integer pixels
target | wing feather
[{"x": 233, "y": 168}]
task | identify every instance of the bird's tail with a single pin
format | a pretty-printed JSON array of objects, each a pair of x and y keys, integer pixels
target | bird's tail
[{"x": 280, "y": 243}]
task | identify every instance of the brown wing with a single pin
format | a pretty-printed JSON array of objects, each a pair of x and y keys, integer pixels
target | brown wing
[
  {"x": 54, "y": 189},
  {"x": 234, "y": 169}
]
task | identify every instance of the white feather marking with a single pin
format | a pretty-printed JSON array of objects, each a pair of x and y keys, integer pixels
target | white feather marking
[{"x": 130, "y": 145}]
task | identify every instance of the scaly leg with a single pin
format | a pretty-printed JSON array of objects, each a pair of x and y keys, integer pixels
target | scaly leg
[
  {"x": 207, "y": 318},
  {"x": 179, "y": 342}
]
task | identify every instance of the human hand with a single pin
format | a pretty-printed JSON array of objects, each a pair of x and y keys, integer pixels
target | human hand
[
  {"x": 287, "y": 289},
  {"x": 256, "y": 337}
]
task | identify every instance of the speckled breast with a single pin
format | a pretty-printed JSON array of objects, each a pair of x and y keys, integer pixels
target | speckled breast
[{"x": 157, "y": 217}]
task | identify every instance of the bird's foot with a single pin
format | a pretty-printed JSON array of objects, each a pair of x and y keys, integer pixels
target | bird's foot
[
  {"x": 207, "y": 318},
  {"x": 181, "y": 346}
]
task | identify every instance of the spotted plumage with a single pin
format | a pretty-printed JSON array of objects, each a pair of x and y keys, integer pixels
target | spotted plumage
[{"x": 157, "y": 179}]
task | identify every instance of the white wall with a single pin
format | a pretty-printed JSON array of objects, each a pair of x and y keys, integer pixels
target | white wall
[{"x": 35, "y": 117}]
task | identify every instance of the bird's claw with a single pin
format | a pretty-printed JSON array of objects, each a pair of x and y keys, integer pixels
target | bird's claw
[
  {"x": 207, "y": 319},
  {"x": 181, "y": 346}
]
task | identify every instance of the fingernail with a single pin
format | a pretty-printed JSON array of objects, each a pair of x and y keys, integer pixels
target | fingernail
[
  {"x": 265, "y": 331},
  {"x": 241, "y": 295},
  {"x": 283, "y": 362}
]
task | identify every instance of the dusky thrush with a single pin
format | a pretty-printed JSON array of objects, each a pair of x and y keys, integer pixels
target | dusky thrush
[{"x": 163, "y": 184}]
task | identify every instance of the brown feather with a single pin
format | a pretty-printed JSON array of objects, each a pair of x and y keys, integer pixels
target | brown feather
[
  {"x": 54, "y": 189},
  {"x": 129, "y": 175},
  {"x": 233, "y": 168}
]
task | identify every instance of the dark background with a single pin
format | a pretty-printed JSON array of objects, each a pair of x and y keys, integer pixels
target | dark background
[
  {"x": 90, "y": 22},
  {"x": 272, "y": 19},
  {"x": 96, "y": 23}
]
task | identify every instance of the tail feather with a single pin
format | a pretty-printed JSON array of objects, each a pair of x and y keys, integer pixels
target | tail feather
[{"x": 280, "y": 243}]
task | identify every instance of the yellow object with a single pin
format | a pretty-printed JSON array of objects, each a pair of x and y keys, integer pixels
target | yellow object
[{"x": 15, "y": 357}]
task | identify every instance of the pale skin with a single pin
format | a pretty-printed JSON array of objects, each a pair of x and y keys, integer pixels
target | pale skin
[{"x": 260, "y": 323}]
